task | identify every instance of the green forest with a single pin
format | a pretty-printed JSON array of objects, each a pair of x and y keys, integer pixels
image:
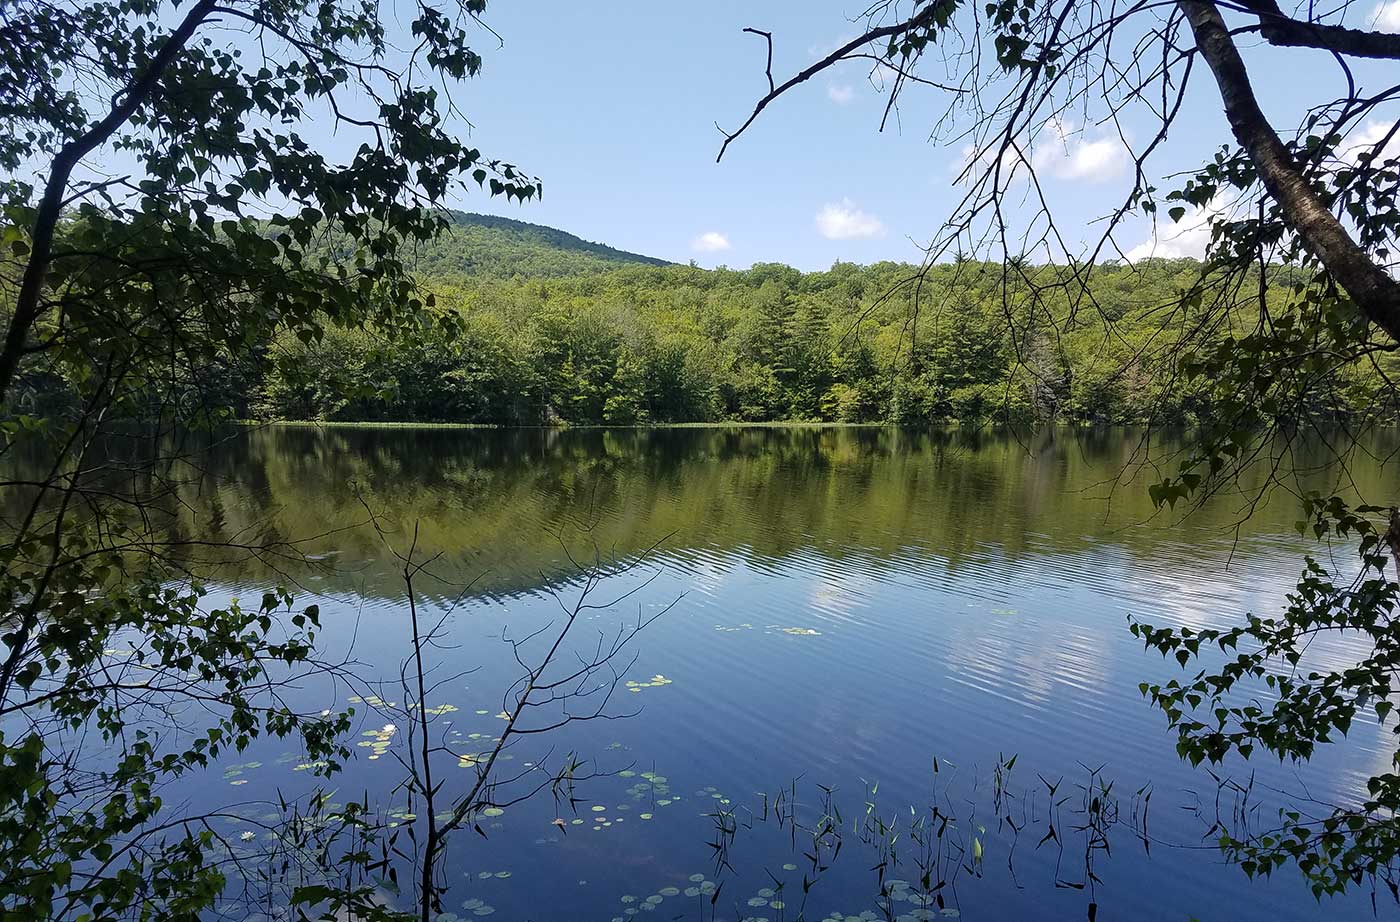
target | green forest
[
  {"x": 217, "y": 212},
  {"x": 544, "y": 328},
  {"x": 525, "y": 325}
]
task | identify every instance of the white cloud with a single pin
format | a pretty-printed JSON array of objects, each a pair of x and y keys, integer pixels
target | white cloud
[
  {"x": 1065, "y": 153},
  {"x": 1188, "y": 237},
  {"x": 1365, "y": 139},
  {"x": 1386, "y": 16},
  {"x": 710, "y": 242},
  {"x": 1093, "y": 160},
  {"x": 841, "y": 94},
  {"x": 973, "y": 161},
  {"x": 819, "y": 50},
  {"x": 844, "y": 221},
  {"x": 1060, "y": 150}
]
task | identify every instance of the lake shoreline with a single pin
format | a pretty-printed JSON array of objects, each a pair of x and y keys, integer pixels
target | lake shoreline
[{"x": 572, "y": 427}]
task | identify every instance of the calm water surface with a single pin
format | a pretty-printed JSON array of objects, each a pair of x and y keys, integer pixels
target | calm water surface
[{"x": 852, "y": 607}]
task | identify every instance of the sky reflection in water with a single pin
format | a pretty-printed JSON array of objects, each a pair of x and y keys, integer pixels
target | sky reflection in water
[{"x": 853, "y": 604}]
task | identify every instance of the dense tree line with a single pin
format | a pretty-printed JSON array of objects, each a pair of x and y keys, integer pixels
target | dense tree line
[{"x": 666, "y": 344}]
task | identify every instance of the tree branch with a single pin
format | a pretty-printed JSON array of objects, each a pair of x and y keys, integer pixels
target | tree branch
[
  {"x": 1280, "y": 29},
  {"x": 922, "y": 18},
  {"x": 27, "y": 305},
  {"x": 1369, "y": 285}
]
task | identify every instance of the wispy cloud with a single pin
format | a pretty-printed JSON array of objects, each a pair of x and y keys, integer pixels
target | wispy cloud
[
  {"x": 844, "y": 221},
  {"x": 819, "y": 50},
  {"x": 1060, "y": 150},
  {"x": 710, "y": 242},
  {"x": 1188, "y": 237},
  {"x": 1386, "y": 16},
  {"x": 1065, "y": 153},
  {"x": 1368, "y": 137},
  {"x": 973, "y": 160},
  {"x": 841, "y": 93}
]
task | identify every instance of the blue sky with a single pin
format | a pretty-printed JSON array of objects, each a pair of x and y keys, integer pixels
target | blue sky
[{"x": 614, "y": 106}]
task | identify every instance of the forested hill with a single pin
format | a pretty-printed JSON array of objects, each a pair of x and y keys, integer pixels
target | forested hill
[
  {"x": 540, "y": 327},
  {"x": 673, "y": 343},
  {"x": 489, "y": 246}
]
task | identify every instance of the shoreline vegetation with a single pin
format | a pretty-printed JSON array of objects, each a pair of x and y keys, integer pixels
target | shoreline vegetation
[
  {"x": 951, "y": 425},
  {"x": 523, "y": 325},
  {"x": 563, "y": 426}
]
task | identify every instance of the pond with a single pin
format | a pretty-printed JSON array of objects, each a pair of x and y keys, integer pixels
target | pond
[{"x": 923, "y": 634}]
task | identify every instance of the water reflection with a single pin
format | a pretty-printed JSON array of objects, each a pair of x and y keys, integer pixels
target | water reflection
[
  {"x": 878, "y": 502},
  {"x": 853, "y": 604}
]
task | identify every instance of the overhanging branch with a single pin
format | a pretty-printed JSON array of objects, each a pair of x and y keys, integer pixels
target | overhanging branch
[
  {"x": 1368, "y": 284},
  {"x": 1282, "y": 30},
  {"x": 27, "y": 304},
  {"x": 920, "y": 19}
]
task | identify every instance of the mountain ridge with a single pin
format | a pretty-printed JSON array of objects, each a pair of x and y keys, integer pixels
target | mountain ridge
[{"x": 482, "y": 245}]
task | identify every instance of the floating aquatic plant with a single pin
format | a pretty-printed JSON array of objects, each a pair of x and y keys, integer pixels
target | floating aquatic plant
[
  {"x": 656, "y": 682},
  {"x": 378, "y": 740}
]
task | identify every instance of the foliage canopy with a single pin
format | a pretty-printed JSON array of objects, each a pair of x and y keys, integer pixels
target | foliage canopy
[{"x": 164, "y": 209}]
